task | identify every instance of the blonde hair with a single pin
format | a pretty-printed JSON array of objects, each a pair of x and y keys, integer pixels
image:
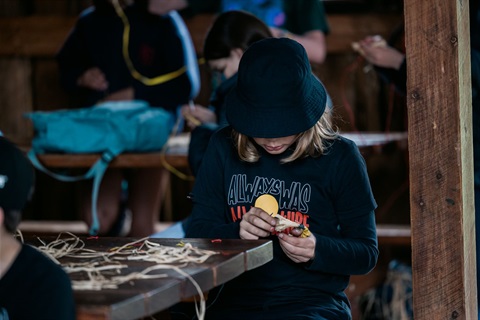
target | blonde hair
[{"x": 310, "y": 143}]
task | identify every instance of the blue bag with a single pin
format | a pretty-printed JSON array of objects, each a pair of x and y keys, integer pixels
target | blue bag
[{"x": 109, "y": 128}]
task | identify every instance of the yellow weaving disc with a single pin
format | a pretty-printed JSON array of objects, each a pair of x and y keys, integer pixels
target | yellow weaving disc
[{"x": 268, "y": 203}]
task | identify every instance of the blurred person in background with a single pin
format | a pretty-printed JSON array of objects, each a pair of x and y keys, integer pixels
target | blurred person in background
[{"x": 158, "y": 65}]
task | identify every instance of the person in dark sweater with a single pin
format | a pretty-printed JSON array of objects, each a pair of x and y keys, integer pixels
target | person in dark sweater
[
  {"x": 93, "y": 66},
  {"x": 281, "y": 142},
  {"x": 32, "y": 286},
  {"x": 142, "y": 52}
]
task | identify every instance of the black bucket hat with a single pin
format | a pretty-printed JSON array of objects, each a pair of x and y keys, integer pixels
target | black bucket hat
[{"x": 276, "y": 94}]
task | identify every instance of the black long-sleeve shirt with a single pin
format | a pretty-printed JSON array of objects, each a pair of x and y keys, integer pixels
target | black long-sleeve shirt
[{"x": 330, "y": 194}]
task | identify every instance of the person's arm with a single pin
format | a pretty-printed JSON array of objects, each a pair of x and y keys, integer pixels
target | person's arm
[
  {"x": 196, "y": 115},
  {"x": 354, "y": 254},
  {"x": 356, "y": 250},
  {"x": 377, "y": 52},
  {"x": 208, "y": 218},
  {"x": 313, "y": 42},
  {"x": 306, "y": 22},
  {"x": 76, "y": 68},
  {"x": 162, "y": 7},
  {"x": 199, "y": 138},
  {"x": 72, "y": 60},
  {"x": 389, "y": 62}
]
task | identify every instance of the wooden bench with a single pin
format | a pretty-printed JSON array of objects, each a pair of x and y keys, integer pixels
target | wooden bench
[
  {"x": 175, "y": 155},
  {"x": 125, "y": 160},
  {"x": 175, "y": 163},
  {"x": 174, "y": 159}
]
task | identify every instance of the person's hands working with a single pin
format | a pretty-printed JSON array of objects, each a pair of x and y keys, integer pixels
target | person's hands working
[
  {"x": 256, "y": 224},
  {"x": 296, "y": 248},
  {"x": 197, "y": 114},
  {"x": 376, "y": 51}
]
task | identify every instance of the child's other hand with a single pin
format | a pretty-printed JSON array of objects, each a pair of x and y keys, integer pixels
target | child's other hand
[
  {"x": 298, "y": 249},
  {"x": 256, "y": 224}
]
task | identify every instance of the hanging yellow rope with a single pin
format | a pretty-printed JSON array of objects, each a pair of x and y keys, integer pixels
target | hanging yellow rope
[
  {"x": 137, "y": 75},
  {"x": 168, "y": 166},
  {"x": 151, "y": 82}
]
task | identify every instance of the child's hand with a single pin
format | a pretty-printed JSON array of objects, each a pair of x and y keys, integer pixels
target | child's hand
[
  {"x": 298, "y": 249},
  {"x": 94, "y": 79},
  {"x": 256, "y": 224},
  {"x": 376, "y": 51},
  {"x": 197, "y": 114},
  {"x": 386, "y": 57}
]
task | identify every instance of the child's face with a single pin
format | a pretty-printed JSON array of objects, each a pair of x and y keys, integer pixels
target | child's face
[
  {"x": 227, "y": 66},
  {"x": 275, "y": 145}
]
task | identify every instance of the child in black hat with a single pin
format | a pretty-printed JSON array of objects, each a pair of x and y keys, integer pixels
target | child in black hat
[
  {"x": 281, "y": 142},
  {"x": 32, "y": 286}
]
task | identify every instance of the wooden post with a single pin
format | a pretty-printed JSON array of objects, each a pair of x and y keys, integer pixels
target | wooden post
[
  {"x": 441, "y": 166},
  {"x": 15, "y": 99}
]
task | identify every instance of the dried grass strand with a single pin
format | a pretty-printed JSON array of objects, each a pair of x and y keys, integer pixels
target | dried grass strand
[{"x": 104, "y": 268}]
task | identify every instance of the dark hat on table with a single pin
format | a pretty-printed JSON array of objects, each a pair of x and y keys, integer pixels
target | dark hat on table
[
  {"x": 276, "y": 94},
  {"x": 16, "y": 176}
]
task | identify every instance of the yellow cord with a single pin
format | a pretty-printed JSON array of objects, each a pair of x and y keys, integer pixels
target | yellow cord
[
  {"x": 137, "y": 75},
  {"x": 151, "y": 82},
  {"x": 167, "y": 165},
  {"x": 174, "y": 170}
]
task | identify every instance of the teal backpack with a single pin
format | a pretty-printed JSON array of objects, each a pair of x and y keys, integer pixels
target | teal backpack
[{"x": 108, "y": 129}]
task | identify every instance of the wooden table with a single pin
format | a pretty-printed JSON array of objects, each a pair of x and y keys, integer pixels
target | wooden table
[
  {"x": 142, "y": 298},
  {"x": 394, "y": 234},
  {"x": 371, "y": 139}
]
